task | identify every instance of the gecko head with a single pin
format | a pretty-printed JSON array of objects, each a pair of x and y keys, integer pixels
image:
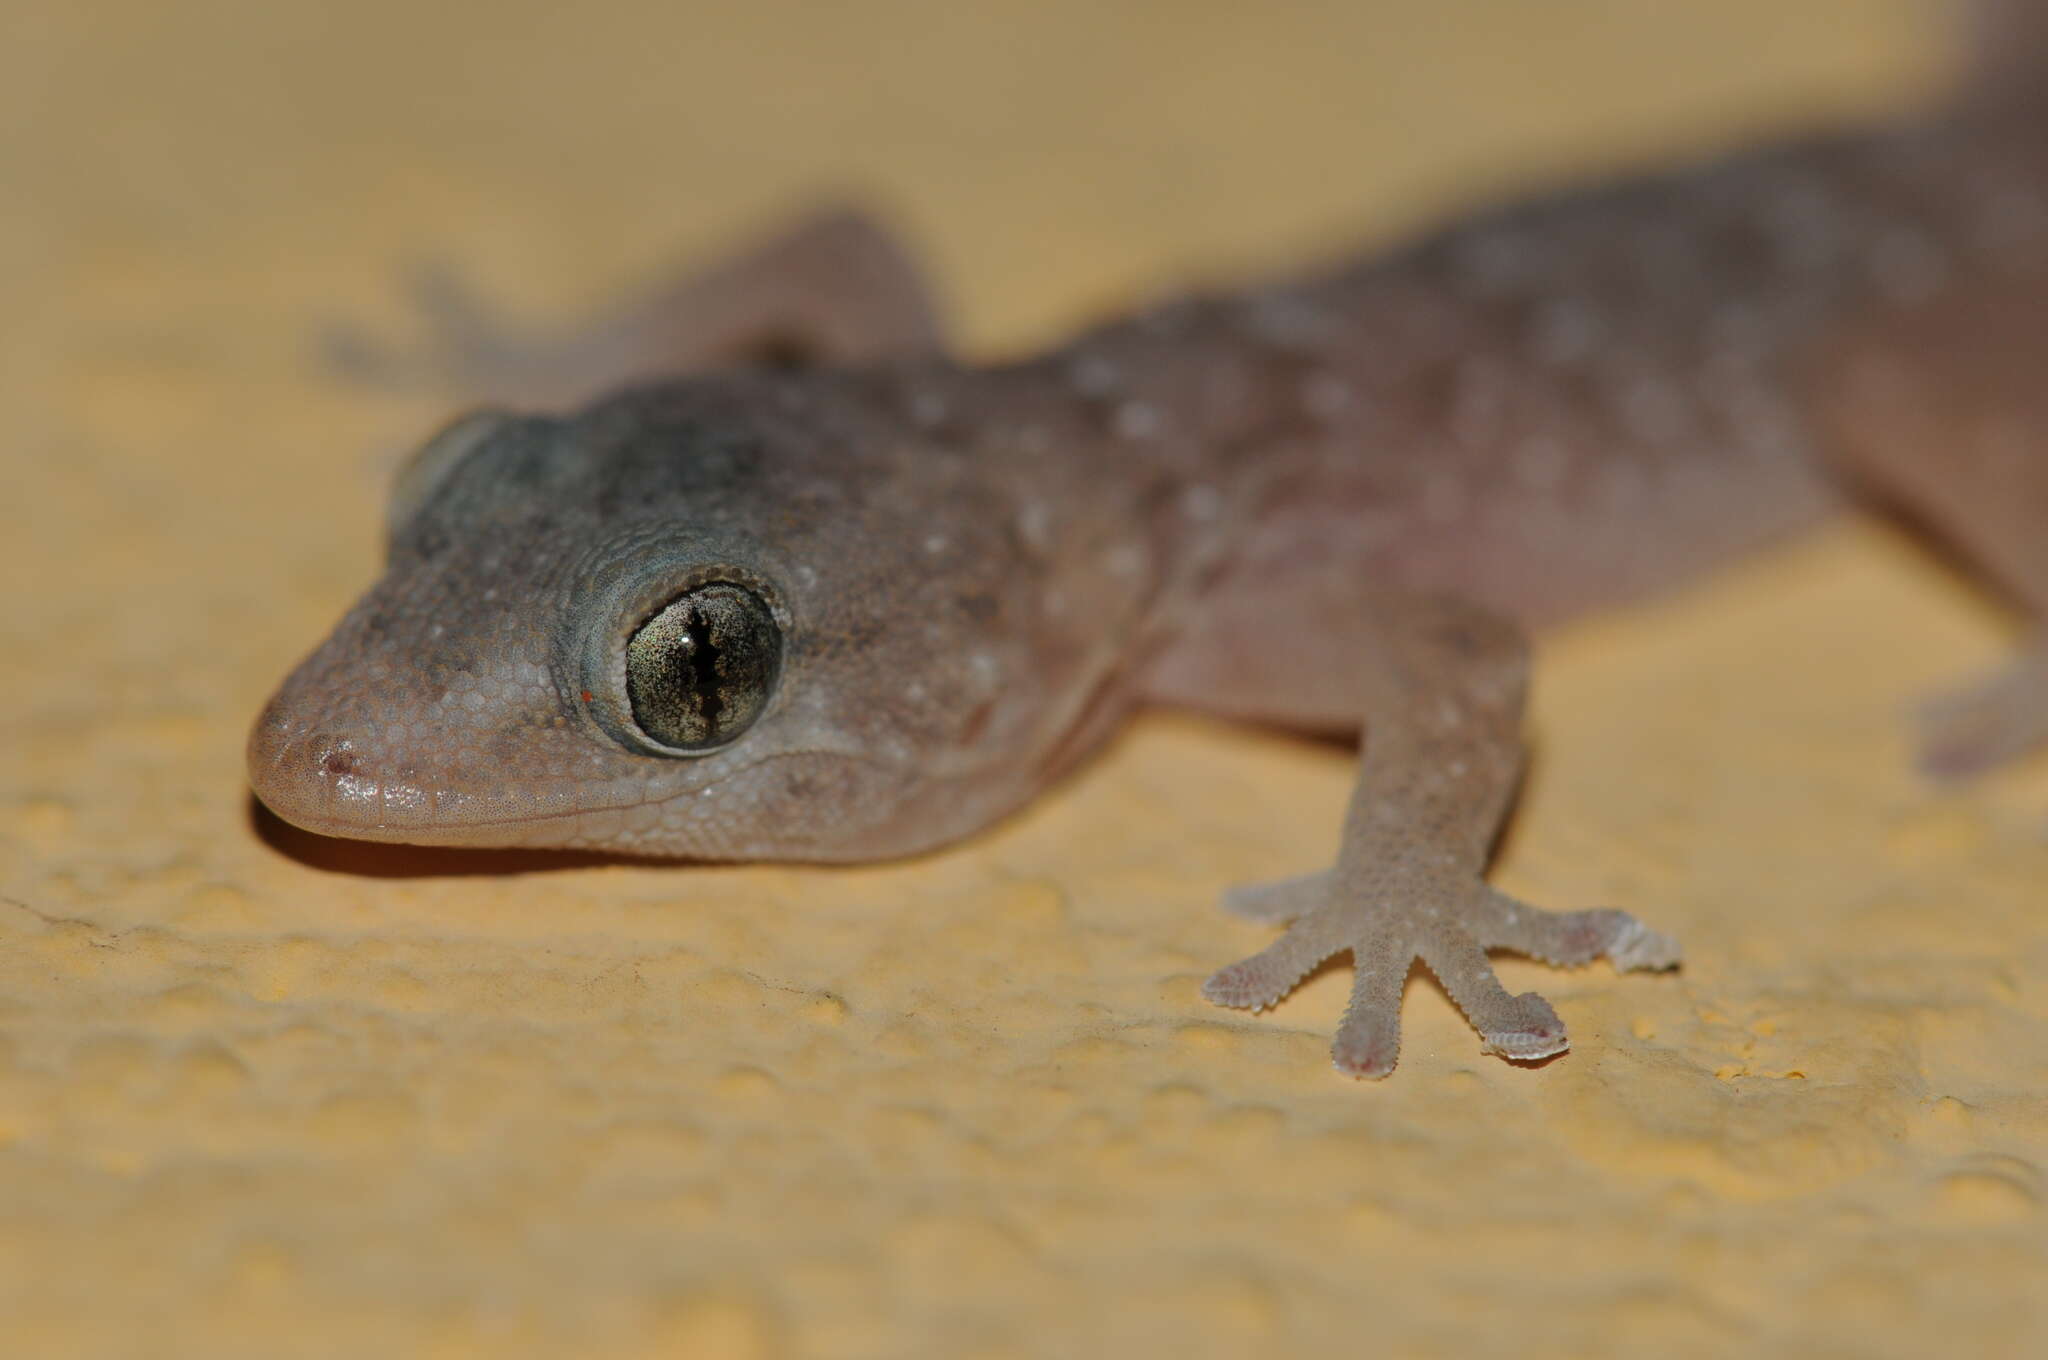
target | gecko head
[{"x": 701, "y": 619}]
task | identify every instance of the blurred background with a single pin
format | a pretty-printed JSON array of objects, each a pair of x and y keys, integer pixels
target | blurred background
[
  {"x": 277, "y": 1100},
  {"x": 168, "y": 162}
]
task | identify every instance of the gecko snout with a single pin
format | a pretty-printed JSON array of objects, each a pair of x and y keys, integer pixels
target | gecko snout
[{"x": 329, "y": 783}]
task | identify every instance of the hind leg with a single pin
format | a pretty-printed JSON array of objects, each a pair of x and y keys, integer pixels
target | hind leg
[{"x": 1943, "y": 410}]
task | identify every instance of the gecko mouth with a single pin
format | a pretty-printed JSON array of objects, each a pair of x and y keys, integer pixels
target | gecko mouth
[{"x": 329, "y": 785}]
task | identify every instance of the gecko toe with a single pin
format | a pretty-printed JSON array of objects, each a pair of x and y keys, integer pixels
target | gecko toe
[
  {"x": 1369, "y": 1039},
  {"x": 1267, "y": 976},
  {"x": 1256, "y": 983},
  {"x": 1365, "y": 1049},
  {"x": 1528, "y": 1029},
  {"x": 1569, "y": 938},
  {"x": 1634, "y": 946},
  {"x": 1246, "y": 986},
  {"x": 1984, "y": 724}
]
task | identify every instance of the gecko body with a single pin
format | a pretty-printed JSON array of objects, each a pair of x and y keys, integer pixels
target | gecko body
[{"x": 860, "y": 608}]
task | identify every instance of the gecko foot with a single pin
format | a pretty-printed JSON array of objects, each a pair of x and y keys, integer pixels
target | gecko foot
[
  {"x": 468, "y": 343},
  {"x": 1389, "y": 924},
  {"x": 2000, "y": 716}
]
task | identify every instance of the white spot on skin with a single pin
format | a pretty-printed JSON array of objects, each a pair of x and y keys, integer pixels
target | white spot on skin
[
  {"x": 927, "y": 408},
  {"x": 1492, "y": 262},
  {"x": 1201, "y": 502},
  {"x": 1803, "y": 221},
  {"x": 1325, "y": 396},
  {"x": 1137, "y": 420},
  {"x": 1285, "y": 321},
  {"x": 1164, "y": 320},
  {"x": 1034, "y": 525},
  {"x": 1564, "y": 332},
  {"x": 1093, "y": 376},
  {"x": 987, "y": 672},
  {"x": 936, "y": 544}
]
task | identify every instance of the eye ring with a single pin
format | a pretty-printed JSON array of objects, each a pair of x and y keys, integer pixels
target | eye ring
[{"x": 700, "y": 670}]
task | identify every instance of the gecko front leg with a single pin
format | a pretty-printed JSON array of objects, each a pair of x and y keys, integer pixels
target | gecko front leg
[{"x": 1443, "y": 688}]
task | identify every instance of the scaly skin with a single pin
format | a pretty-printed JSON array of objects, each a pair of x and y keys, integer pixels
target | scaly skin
[{"x": 1319, "y": 504}]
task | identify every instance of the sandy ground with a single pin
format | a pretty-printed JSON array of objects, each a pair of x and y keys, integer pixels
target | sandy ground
[{"x": 263, "y": 1095}]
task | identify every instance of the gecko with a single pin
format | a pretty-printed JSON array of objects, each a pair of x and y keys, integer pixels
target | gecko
[{"x": 835, "y": 594}]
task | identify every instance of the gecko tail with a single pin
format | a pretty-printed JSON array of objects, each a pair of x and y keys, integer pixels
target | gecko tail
[{"x": 2008, "y": 50}]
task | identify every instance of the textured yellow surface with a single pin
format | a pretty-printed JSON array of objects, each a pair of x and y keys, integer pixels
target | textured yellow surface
[{"x": 262, "y": 1095}]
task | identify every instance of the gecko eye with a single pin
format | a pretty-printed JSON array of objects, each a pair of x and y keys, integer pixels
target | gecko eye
[{"x": 699, "y": 672}]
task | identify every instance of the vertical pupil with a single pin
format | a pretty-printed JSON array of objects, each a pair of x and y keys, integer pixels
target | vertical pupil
[{"x": 702, "y": 655}]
